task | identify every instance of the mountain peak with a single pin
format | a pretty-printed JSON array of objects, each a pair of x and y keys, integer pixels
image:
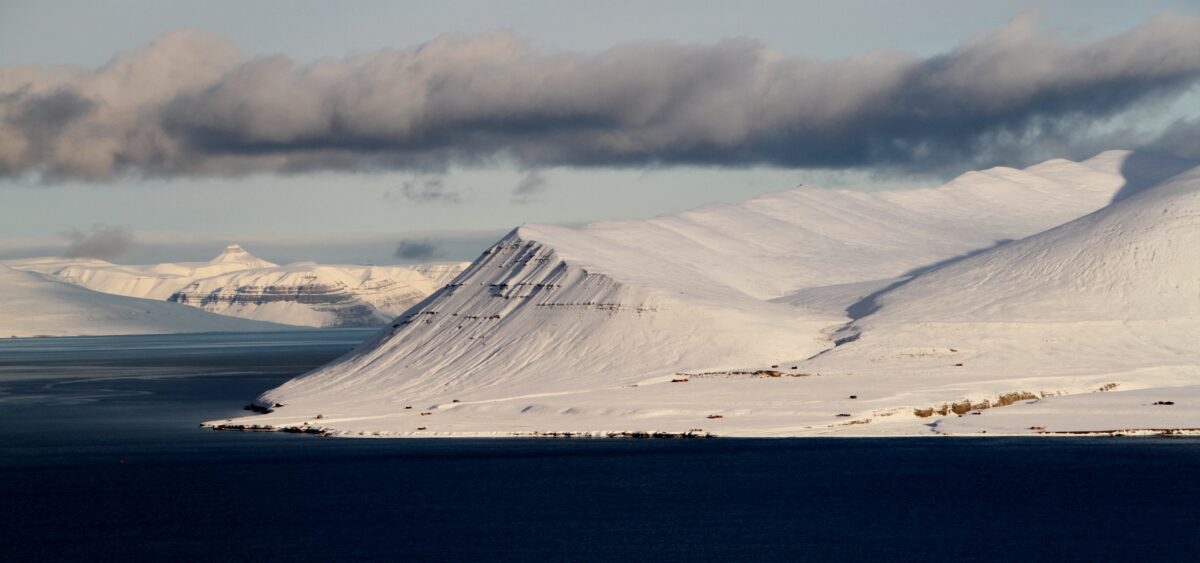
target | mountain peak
[{"x": 235, "y": 254}]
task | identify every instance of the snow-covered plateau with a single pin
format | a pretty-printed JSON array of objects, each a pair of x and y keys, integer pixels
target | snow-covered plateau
[{"x": 238, "y": 284}]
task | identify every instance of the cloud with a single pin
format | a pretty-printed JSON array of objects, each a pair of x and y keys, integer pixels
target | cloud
[
  {"x": 49, "y": 113},
  {"x": 421, "y": 249},
  {"x": 424, "y": 190},
  {"x": 101, "y": 241},
  {"x": 464, "y": 101},
  {"x": 531, "y": 183},
  {"x": 1181, "y": 138}
]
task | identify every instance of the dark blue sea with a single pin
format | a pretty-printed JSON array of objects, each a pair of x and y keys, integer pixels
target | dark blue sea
[{"x": 101, "y": 459}]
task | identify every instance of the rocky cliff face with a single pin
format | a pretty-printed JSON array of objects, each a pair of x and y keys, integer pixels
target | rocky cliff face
[{"x": 335, "y": 304}]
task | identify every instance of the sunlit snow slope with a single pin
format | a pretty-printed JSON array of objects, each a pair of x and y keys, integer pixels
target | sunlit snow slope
[{"x": 1109, "y": 302}]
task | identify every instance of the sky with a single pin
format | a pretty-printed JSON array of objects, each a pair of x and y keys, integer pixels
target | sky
[{"x": 403, "y": 132}]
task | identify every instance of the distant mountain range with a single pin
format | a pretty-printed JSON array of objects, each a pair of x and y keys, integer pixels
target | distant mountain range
[
  {"x": 238, "y": 284},
  {"x": 1067, "y": 292},
  {"x": 35, "y": 304}
]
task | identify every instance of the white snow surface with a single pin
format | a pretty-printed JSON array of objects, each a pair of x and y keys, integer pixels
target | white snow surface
[
  {"x": 808, "y": 312},
  {"x": 34, "y": 304},
  {"x": 238, "y": 284}
]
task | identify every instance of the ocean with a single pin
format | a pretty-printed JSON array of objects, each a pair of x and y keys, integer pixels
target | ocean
[{"x": 101, "y": 459}]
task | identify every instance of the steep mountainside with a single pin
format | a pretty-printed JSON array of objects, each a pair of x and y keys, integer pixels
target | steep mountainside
[{"x": 522, "y": 319}]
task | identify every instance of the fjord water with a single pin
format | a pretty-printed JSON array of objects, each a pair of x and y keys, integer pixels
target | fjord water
[{"x": 101, "y": 459}]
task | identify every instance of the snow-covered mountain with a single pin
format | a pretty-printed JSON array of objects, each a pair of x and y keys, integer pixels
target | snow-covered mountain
[
  {"x": 236, "y": 255},
  {"x": 35, "y": 304},
  {"x": 727, "y": 319},
  {"x": 310, "y": 294},
  {"x": 238, "y": 284},
  {"x": 151, "y": 281}
]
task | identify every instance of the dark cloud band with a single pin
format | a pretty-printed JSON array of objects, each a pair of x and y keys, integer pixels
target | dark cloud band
[
  {"x": 101, "y": 241},
  {"x": 473, "y": 100},
  {"x": 420, "y": 249}
]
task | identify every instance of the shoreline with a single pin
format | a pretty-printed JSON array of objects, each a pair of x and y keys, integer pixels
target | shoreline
[{"x": 329, "y": 432}]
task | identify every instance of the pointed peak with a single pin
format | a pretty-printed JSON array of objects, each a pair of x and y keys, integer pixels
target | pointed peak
[{"x": 235, "y": 254}]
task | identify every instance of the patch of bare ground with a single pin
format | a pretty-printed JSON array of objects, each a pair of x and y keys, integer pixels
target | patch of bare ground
[
  {"x": 316, "y": 430},
  {"x": 245, "y": 427},
  {"x": 963, "y": 407},
  {"x": 304, "y": 429}
]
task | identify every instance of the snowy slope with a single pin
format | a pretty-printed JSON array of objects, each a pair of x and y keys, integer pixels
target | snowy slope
[
  {"x": 811, "y": 237},
  {"x": 594, "y": 330},
  {"x": 1110, "y": 301},
  {"x": 520, "y": 320},
  {"x": 33, "y": 304},
  {"x": 1138, "y": 259}
]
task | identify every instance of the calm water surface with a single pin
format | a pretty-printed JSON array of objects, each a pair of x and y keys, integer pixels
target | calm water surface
[{"x": 101, "y": 459}]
